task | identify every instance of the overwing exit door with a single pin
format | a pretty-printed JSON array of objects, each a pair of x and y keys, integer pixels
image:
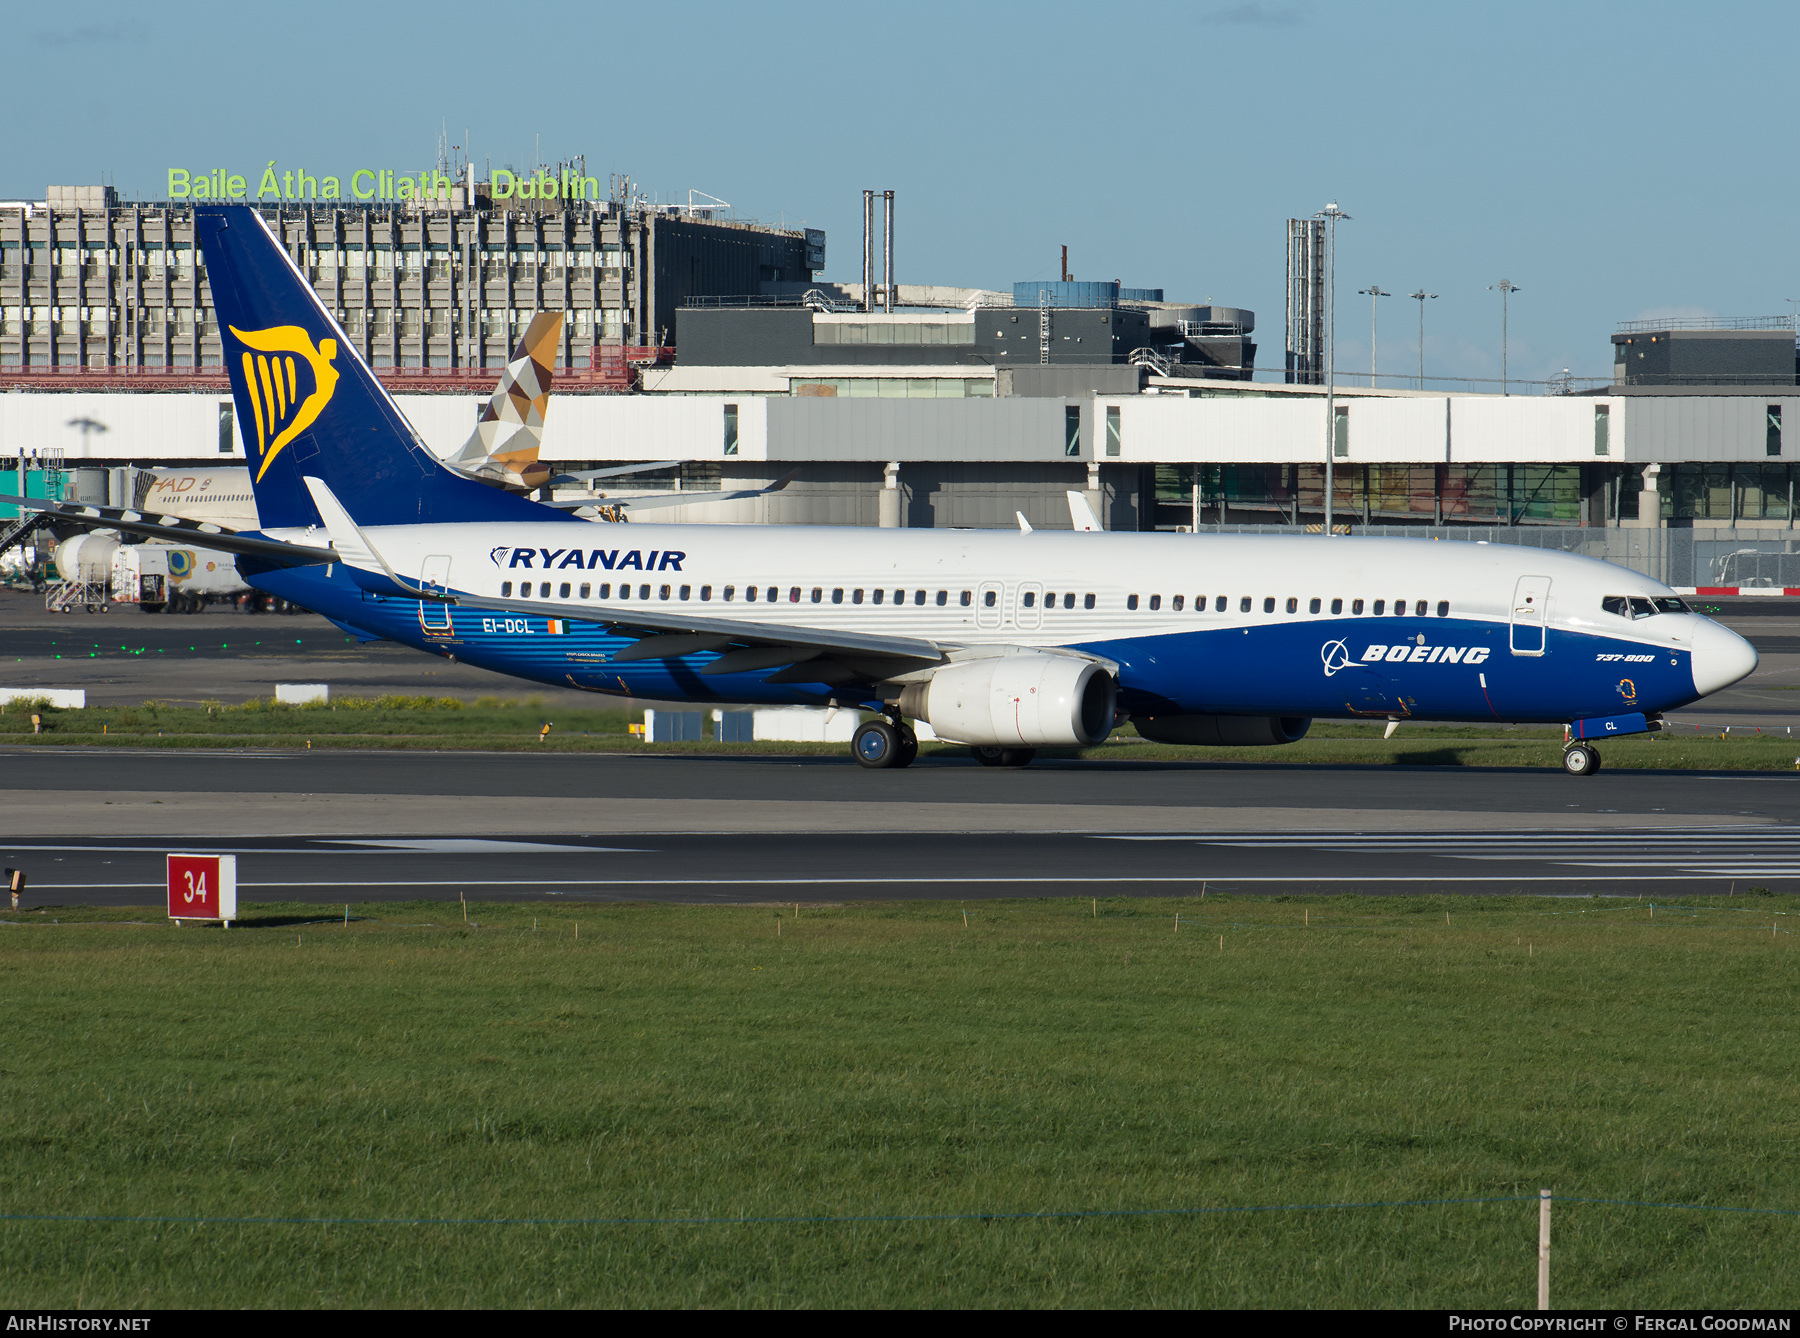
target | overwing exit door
[
  {"x": 1530, "y": 614},
  {"x": 435, "y": 575}
]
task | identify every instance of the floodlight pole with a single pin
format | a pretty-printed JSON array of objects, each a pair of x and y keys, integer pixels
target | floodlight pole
[
  {"x": 1372, "y": 292},
  {"x": 1331, "y": 214},
  {"x": 1422, "y": 296},
  {"x": 1507, "y": 288}
]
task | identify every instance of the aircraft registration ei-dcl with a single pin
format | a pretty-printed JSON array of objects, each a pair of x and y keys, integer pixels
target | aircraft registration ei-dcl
[{"x": 1005, "y": 641}]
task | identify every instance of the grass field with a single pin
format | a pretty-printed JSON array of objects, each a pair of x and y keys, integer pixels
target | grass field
[
  {"x": 669, "y": 1062},
  {"x": 513, "y": 725}
]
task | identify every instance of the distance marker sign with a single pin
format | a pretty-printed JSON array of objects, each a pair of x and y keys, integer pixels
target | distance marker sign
[{"x": 203, "y": 887}]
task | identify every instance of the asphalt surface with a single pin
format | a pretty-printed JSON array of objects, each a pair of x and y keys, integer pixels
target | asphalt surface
[{"x": 768, "y": 830}]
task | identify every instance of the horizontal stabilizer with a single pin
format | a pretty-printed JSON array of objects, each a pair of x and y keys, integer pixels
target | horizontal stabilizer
[{"x": 198, "y": 533}]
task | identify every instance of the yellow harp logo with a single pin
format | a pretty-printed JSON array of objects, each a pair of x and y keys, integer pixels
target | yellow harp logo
[{"x": 269, "y": 372}]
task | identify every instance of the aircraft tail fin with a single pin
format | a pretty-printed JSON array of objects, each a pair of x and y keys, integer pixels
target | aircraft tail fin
[
  {"x": 503, "y": 449},
  {"x": 307, "y": 403}
]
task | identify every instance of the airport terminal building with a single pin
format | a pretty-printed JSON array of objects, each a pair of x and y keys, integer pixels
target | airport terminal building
[{"x": 900, "y": 404}]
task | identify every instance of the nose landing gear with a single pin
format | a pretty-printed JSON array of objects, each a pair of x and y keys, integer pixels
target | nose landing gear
[{"x": 1581, "y": 759}]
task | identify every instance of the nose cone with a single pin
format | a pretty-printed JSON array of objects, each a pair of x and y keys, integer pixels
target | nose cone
[{"x": 1721, "y": 657}]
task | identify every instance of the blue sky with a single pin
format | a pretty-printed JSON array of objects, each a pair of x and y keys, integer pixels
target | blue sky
[{"x": 1613, "y": 161}]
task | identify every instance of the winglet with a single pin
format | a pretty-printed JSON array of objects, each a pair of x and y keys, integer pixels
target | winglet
[
  {"x": 1024, "y": 525},
  {"x": 1081, "y": 514},
  {"x": 351, "y": 545}
]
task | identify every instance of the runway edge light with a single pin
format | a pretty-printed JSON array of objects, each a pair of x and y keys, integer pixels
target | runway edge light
[{"x": 203, "y": 887}]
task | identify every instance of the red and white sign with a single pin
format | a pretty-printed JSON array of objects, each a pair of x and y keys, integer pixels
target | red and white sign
[{"x": 203, "y": 887}]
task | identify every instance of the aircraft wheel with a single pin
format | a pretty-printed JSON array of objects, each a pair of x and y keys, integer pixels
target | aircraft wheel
[
  {"x": 876, "y": 744},
  {"x": 1581, "y": 760},
  {"x": 909, "y": 749},
  {"x": 1017, "y": 757},
  {"x": 988, "y": 757}
]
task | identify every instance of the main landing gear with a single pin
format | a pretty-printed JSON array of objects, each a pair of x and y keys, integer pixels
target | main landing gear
[
  {"x": 1004, "y": 757},
  {"x": 1580, "y": 759},
  {"x": 884, "y": 743}
]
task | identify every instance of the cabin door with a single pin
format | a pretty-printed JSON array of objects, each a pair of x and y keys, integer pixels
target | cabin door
[
  {"x": 1531, "y": 611},
  {"x": 435, "y": 575}
]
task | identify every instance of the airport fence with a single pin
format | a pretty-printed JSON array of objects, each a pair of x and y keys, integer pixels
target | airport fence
[{"x": 1687, "y": 559}]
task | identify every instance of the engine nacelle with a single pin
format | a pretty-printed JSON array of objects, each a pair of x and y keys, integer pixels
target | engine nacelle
[
  {"x": 1031, "y": 700},
  {"x": 1223, "y": 731}
]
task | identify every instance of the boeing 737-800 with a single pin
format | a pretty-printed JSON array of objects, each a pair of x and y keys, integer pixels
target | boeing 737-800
[{"x": 1004, "y": 641}]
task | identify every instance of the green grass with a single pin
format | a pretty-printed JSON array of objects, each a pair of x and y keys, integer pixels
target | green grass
[
  {"x": 677, "y": 1062},
  {"x": 510, "y": 725}
]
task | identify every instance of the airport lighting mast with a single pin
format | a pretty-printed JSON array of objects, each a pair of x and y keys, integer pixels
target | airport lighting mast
[
  {"x": 1507, "y": 288},
  {"x": 1422, "y": 297},
  {"x": 1331, "y": 214},
  {"x": 1373, "y": 292}
]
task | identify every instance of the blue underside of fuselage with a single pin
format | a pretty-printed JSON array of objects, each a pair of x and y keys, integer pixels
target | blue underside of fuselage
[{"x": 1450, "y": 669}]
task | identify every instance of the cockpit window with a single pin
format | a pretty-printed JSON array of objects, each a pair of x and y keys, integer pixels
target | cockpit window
[{"x": 1637, "y": 606}]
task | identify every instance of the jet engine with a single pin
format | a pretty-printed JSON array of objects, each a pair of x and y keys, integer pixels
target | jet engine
[
  {"x": 1223, "y": 731},
  {"x": 1030, "y": 700}
]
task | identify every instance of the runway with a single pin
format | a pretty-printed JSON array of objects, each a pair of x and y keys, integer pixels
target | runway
[
  {"x": 858, "y": 866},
  {"x": 92, "y": 826}
]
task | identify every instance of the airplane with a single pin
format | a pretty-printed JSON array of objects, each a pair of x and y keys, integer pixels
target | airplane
[
  {"x": 1007, "y": 642},
  {"x": 502, "y": 451}
]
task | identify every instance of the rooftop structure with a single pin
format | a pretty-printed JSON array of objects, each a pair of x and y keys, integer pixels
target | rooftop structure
[{"x": 1726, "y": 356}]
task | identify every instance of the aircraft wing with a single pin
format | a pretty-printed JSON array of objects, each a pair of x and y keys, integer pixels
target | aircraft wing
[
  {"x": 652, "y": 501},
  {"x": 801, "y": 654},
  {"x": 204, "y": 534}
]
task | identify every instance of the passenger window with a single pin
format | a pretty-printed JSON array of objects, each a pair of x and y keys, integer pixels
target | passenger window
[
  {"x": 1380, "y": 607},
  {"x": 794, "y": 594},
  {"x": 988, "y": 598},
  {"x": 644, "y": 592},
  {"x": 1420, "y": 607},
  {"x": 1219, "y": 604},
  {"x": 586, "y": 589},
  {"x": 1616, "y": 604},
  {"x": 544, "y": 590},
  {"x": 606, "y": 591},
  {"x": 943, "y": 598},
  {"x": 856, "y": 596},
  {"x": 705, "y": 593},
  {"x": 1050, "y": 600},
  {"x": 750, "y": 593},
  {"x": 730, "y": 592},
  {"x": 1642, "y": 608},
  {"x": 624, "y": 592},
  {"x": 1028, "y": 599},
  {"x": 562, "y": 591},
  {"x": 687, "y": 591},
  {"x": 1313, "y": 606},
  {"x": 1337, "y": 606},
  {"x": 1087, "y": 601},
  {"x": 818, "y": 595},
  {"x": 1356, "y": 606},
  {"x": 1131, "y": 601},
  {"x": 1268, "y": 604},
  {"x": 1069, "y": 600},
  {"x": 1155, "y": 602},
  {"x": 663, "y": 593},
  {"x": 882, "y": 594},
  {"x": 1293, "y": 605},
  {"x": 918, "y": 596},
  {"x": 1443, "y": 608},
  {"x": 837, "y": 596},
  {"x": 506, "y": 589},
  {"x": 1399, "y": 608},
  {"x": 1175, "y": 603},
  {"x": 968, "y": 598},
  {"x": 772, "y": 594},
  {"x": 1244, "y": 604},
  {"x": 899, "y": 596}
]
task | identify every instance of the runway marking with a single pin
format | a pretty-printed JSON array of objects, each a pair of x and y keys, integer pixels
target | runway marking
[
  {"x": 1193, "y": 881},
  {"x": 472, "y": 845}
]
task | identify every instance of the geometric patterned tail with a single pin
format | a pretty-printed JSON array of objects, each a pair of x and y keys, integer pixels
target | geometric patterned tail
[{"x": 503, "y": 449}]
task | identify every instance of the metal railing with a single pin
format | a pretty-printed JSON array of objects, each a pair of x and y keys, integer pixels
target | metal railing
[{"x": 1708, "y": 323}]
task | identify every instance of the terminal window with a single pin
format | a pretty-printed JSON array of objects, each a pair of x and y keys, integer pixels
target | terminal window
[
  {"x": 1771, "y": 436},
  {"x": 1072, "y": 429}
]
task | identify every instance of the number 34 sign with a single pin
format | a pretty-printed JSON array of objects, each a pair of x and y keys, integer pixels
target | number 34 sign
[{"x": 203, "y": 887}]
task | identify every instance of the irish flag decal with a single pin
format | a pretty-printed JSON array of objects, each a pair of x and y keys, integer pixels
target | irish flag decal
[{"x": 556, "y": 626}]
